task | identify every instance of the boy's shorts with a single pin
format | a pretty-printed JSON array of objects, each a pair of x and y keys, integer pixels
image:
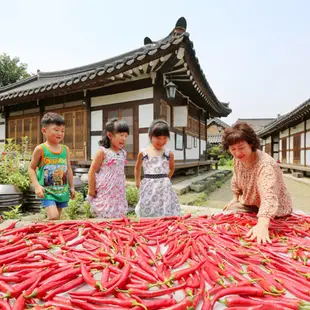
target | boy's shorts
[{"x": 48, "y": 203}]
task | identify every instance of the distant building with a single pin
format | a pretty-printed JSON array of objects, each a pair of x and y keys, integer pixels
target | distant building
[
  {"x": 256, "y": 123},
  {"x": 287, "y": 139},
  {"x": 215, "y": 126}
]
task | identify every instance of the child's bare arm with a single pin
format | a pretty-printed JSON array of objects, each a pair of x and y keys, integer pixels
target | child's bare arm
[
  {"x": 138, "y": 170},
  {"x": 70, "y": 175},
  {"x": 36, "y": 157},
  {"x": 171, "y": 165},
  {"x": 95, "y": 165}
]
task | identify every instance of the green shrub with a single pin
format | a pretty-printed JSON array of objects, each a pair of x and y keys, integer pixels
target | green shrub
[
  {"x": 14, "y": 213},
  {"x": 132, "y": 195},
  {"x": 14, "y": 162},
  {"x": 218, "y": 184},
  {"x": 222, "y": 162}
]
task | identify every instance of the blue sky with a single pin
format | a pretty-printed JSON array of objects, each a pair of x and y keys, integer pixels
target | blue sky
[{"x": 255, "y": 53}]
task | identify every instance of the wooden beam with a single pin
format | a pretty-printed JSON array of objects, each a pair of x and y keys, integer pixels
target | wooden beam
[
  {"x": 169, "y": 64},
  {"x": 133, "y": 73},
  {"x": 149, "y": 67},
  {"x": 158, "y": 93},
  {"x": 88, "y": 124},
  {"x": 141, "y": 70}
]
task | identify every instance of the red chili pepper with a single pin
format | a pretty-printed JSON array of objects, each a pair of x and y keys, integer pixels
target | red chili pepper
[
  {"x": 4, "y": 305},
  {"x": 244, "y": 290},
  {"x": 65, "y": 288},
  {"x": 88, "y": 278},
  {"x": 19, "y": 303},
  {"x": 150, "y": 294}
]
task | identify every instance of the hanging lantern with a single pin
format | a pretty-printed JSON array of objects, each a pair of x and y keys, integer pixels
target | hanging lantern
[{"x": 171, "y": 89}]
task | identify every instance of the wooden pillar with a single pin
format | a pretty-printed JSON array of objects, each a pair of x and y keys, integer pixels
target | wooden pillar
[
  {"x": 289, "y": 147},
  {"x": 88, "y": 125},
  {"x": 42, "y": 109},
  {"x": 6, "y": 113},
  {"x": 158, "y": 94},
  {"x": 199, "y": 132},
  {"x": 305, "y": 142},
  {"x": 206, "y": 135}
]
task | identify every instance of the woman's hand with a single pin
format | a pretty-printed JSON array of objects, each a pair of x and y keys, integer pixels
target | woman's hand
[
  {"x": 91, "y": 193},
  {"x": 260, "y": 231},
  {"x": 234, "y": 200}
]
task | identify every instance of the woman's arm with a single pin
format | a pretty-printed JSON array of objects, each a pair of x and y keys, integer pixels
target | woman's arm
[
  {"x": 95, "y": 165},
  {"x": 269, "y": 190},
  {"x": 171, "y": 165},
  {"x": 138, "y": 170}
]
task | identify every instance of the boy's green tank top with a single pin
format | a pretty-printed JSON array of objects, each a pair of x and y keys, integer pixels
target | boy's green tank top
[{"x": 52, "y": 174}]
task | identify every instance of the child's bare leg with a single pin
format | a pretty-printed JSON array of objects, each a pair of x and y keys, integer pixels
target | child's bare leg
[
  {"x": 59, "y": 212},
  {"x": 52, "y": 213}
]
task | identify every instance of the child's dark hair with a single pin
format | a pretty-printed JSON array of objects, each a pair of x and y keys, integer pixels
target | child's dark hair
[
  {"x": 159, "y": 128},
  {"x": 52, "y": 118},
  {"x": 113, "y": 126}
]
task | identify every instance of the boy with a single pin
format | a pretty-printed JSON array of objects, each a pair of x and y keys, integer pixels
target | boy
[{"x": 48, "y": 159}]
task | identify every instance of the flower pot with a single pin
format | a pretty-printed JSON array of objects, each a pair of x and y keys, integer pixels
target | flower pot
[{"x": 10, "y": 196}]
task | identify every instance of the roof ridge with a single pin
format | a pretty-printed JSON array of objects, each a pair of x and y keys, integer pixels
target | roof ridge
[
  {"x": 105, "y": 62},
  {"x": 19, "y": 83}
]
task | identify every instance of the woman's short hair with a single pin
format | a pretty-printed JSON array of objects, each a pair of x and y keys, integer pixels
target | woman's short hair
[{"x": 240, "y": 132}]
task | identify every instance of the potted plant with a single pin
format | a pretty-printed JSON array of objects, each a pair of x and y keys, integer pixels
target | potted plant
[{"x": 14, "y": 179}]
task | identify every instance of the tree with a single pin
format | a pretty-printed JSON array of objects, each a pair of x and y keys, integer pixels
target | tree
[{"x": 11, "y": 70}]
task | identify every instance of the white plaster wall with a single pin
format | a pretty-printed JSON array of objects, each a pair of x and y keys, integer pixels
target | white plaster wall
[
  {"x": 284, "y": 133},
  {"x": 280, "y": 157},
  {"x": 308, "y": 157},
  {"x": 146, "y": 115},
  {"x": 178, "y": 154},
  {"x": 291, "y": 142},
  {"x": 280, "y": 145},
  {"x": 276, "y": 147},
  {"x": 263, "y": 142},
  {"x": 96, "y": 120},
  {"x": 308, "y": 139},
  {"x": 143, "y": 140},
  {"x": 302, "y": 140},
  {"x": 302, "y": 157},
  {"x": 203, "y": 146},
  {"x": 297, "y": 128},
  {"x": 276, "y": 156},
  {"x": 268, "y": 140},
  {"x": 94, "y": 145},
  {"x": 133, "y": 95},
  {"x": 287, "y": 157},
  {"x": 2, "y": 132},
  {"x": 192, "y": 153},
  {"x": 264, "y": 148},
  {"x": 291, "y": 157}
]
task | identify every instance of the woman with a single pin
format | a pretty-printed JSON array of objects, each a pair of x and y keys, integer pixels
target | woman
[{"x": 257, "y": 183}]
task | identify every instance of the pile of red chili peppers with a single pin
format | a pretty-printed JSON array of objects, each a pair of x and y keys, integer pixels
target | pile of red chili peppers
[{"x": 163, "y": 263}]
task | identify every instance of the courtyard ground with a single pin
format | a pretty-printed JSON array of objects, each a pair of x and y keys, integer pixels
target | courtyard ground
[{"x": 299, "y": 190}]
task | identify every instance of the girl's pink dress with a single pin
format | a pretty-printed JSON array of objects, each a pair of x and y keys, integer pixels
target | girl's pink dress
[{"x": 110, "y": 200}]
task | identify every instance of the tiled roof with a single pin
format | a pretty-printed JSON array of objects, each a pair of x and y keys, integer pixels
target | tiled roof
[
  {"x": 214, "y": 139},
  {"x": 287, "y": 119},
  {"x": 256, "y": 123},
  {"x": 217, "y": 121},
  {"x": 49, "y": 82}
]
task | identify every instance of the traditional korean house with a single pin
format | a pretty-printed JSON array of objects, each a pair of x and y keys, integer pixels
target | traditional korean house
[
  {"x": 287, "y": 139},
  {"x": 215, "y": 126},
  {"x": 161, "y": 79}
]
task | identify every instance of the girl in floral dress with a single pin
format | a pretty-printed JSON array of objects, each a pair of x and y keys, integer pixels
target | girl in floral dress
[
  {"x": 157, "y": 197},
  {"x": 106, "y": 177}
]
